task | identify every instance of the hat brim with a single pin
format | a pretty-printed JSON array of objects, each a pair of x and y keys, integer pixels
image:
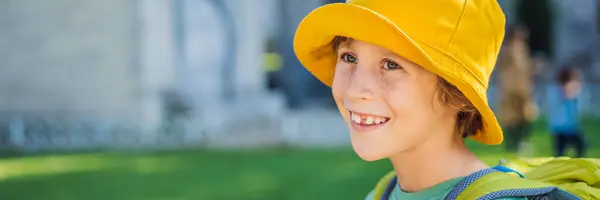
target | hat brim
[{"x": 317, "y": 30}]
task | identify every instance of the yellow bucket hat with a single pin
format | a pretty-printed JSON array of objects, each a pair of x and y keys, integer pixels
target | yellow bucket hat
[{"x": 459, "y": 40}]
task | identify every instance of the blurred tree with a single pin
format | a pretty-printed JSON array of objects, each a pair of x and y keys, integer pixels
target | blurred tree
[
  {"x": 537, "y": 15},
  {"x": 598, "y": 15}
]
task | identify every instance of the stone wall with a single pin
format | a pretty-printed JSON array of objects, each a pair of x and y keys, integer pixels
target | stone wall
[
  {"x": 67, "y": 65},
  {"x": 65, "y": 55},
  {"x": 83, "y": 73}
]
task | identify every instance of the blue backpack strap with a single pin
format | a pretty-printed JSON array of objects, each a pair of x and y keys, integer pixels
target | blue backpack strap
[
  {"x": 467, "y": 181},
  {"x": 390, "y": 187},
  {"x": 517, "y": 192},
  {"x": 548, "y": 192},
  {"x": 459, "y": 188}
]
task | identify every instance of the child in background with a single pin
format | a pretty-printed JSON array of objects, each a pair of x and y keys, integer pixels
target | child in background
[
  {"x": 517, "y": 106},
  {"x": 563, "y": 117}
]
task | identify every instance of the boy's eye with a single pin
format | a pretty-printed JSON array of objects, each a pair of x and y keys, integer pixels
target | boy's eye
[
  {"x": 349, "y": 58},
  {"x": 390, "y": 65}
]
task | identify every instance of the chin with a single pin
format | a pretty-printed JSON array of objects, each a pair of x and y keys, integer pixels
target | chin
[
  {"x": 369, "y": 154},
  {"x": 374, "y": 151},
  {"x": 370, "y": 157}
]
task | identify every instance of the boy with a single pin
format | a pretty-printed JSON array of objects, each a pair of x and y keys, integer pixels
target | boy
[
  {"x": 564, "y": 113},
  {"x": 410, "y": 78}
]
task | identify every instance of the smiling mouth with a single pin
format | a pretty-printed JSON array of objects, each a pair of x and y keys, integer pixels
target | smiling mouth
[{"x": 366, "y": 119}]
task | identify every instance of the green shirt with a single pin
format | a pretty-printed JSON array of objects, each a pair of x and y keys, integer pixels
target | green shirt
[{"x": 436, "y": 192}]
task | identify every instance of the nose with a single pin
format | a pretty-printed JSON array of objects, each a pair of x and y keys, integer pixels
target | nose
[{"x": 360, "y": 86}]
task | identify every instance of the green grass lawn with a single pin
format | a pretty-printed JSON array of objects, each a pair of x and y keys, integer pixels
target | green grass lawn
[{"x": 297, "y": 174}]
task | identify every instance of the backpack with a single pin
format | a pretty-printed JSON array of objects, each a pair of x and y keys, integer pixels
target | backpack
[{"x": 535, "y": 178}]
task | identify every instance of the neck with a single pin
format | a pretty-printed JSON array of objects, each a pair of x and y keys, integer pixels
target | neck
[{"x": 434, "y": 162}]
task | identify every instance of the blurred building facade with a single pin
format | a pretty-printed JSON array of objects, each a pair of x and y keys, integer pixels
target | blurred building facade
[
  {"x": 94, "y": 73},
  {"x": 66, "y": 61},
  {"x": 84, "y": 73}
]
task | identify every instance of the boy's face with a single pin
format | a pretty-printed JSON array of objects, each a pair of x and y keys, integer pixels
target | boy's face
[
  {"x": 389, "y": 103},
  {"x": 572, "y": 88}
]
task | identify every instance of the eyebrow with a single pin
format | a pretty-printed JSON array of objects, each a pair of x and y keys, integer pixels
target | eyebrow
[{"x": 389, "y": 53}]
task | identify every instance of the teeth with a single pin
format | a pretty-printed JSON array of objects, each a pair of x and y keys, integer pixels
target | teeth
[
  {"x": 369, "y": 120},
  {"x": 356, "y": 118}
]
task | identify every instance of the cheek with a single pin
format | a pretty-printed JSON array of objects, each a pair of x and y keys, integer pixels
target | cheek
[
  {"x": 340, "y": 82},
  {"x": 401, "y": 95},
  {"x": 410, "y": 103}
]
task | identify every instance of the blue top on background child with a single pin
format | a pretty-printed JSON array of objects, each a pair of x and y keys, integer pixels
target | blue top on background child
[{"x": 563, "y": 104}]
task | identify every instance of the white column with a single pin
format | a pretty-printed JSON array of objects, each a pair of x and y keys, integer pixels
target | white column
[
  {"x": 205, "y": 40},
  {"x": 251, "y": 37},
  {"x": 156, "y": 59},
  {"x": 204, "y": 49}
]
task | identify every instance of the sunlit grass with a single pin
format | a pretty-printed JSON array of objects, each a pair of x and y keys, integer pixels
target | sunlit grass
[
  {"x": 29, "y": 166},
  {"x": 295, "y": 174}
]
